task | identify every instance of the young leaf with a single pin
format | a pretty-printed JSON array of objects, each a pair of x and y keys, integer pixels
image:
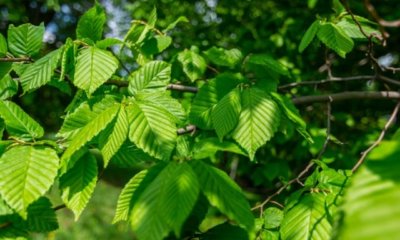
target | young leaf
[
  {"x": 133, "y": 189},
  {"x": 90, "y": 25},
  {"x": 90, "y": 130},
  {"x": 309, "y": 35},
  {"x": 26, "y": 173},
  {"x": 108, "y": 42},
  {"x": 173, "y": 24},
  {"x": 335, "y": 38},
  {"x": 268, "y": 63},
  {"x": 194, "y": 65},
  {"x": 153, "y": 76},
  {"x": 225, "y": 115},
  {"x": 78, "y": 183},
  {"x": 166, "y": 203},
  {"x": 222, "y": 57},
  {"x": 93, "y": 68},
  {"x": 223, "y": 194},
  {"x": 8, "y": 87},
  {"x": 117, "y": 137},
  {"x": 307, "y": 219},
  {"x": 370, "y": 208},
  {"x": 258, "y": 121},
  {"x": 25, "y": 40},
  {"x": 18, "y": 123},
  {"x": 152, "y": 17},
  {"x": 40, "y": 72},
  {"x": 152, "y": 129}
]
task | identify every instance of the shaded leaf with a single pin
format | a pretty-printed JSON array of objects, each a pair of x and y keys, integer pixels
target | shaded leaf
[
  {"x": 8, "y": 87},
  {"x": 223, "y": 194},
  {"x": 18, "y": 123},
  {"x": 309, "y": 35},
  {"x": 223, "y": 57},
  {"x": 78, "y": 183},
  {"x": 194, "y": 65},
  {"x": 335, "y": 38}
]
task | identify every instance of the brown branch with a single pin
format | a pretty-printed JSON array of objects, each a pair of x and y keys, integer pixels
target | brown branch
[
  {"x": 22, "y": 59},
  {"x": 380, "y": 138},
  {"x": 383, "y": 23},
  {"x": 335, "y": 97},
  {"x": 182, "y": 88}
]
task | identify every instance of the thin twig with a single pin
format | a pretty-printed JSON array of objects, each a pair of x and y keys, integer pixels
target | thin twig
[
  {"x": 328, "y": 80},
  {"x": 380, "y": 138},
  {"x": 307, "y": 168},
  {"x": 346, "y": 96},
  {"x": 22, "y": 59}
]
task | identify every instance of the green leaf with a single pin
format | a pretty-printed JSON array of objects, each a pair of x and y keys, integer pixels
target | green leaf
[
  {"x": 225, "y": 231},
  {"x": 83, "y": 114},
  {"x": 292, "y": 114},
  {"x": 173, "y": 24},
  {"x": 90, "y": 130},
  {"x": 370, "y": 209},
  {"x": 166, "y": 203},
  {"x": 267, "y": 63},
  {"x": 309, "y": 35},
  {"x": 3, "y": 45},
  {"x": 108, "y": 42},
  {"x": 194, "y": 65},
  {"x": 155, "y": 45},
  {"x": 8, "y": 87},
  {"x": 335, "y": 38},
  {"x": 225, "y": 115},
  {"x": 152, "y": 129},
  {"x": 26, "y": 173},
  {"x": 224, "y": 194},
  {"x": 93, "y": 68},
  {"x": 353, "y": 31},
  {"x": 165, "y": 101},
  {"x": 222, "y": 57},
  {"x": 129, "y": 156},
  {"x": 152, "y": 76},
  {"x": 117, "y": 137},
  {"x": 208, "y": 96},
  {"x": 40, "y": 72},
  {"x": 78, "y": 183},
  {"x": 133, "y": 189},
  {"x": 25, "y": 40},
  {"x": 207, "y": 147},
  {"x": 152, "y": 18},
  {"x": 5, "y": 68},
  {"x": 41, "y": 216},
  {"x": 18, "y": 123},
  {"x": 91, "y": 24},
  {"x": 68, "y": 58},
  {"x": 307, "y": 219},
  {"x": 258, "y": 121},
  {"x": 272, "y": 217}
]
